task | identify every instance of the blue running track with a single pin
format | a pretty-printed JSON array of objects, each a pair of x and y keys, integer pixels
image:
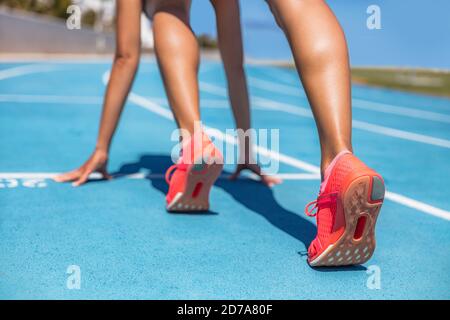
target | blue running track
[{"x": 252, "y": 244}]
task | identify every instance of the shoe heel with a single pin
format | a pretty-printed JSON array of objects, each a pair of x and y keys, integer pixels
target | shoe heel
[
  {"x": 201, "y": 177},
  {"x": 362, "y": 202},
  {"x": 208, "y": 173},
  {"x": 199, "y": 167},
  {"x": 378, "y": 189}
]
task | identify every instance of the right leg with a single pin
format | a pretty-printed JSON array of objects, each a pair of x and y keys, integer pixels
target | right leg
[
  {"x": 191, "y": 178},
  {"x": 177, "y": 52},
  {"x": 320, "y": 53}
]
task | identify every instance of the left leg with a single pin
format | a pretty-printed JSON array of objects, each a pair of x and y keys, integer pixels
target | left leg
[
  {"x": 351, "y": 194},
  {"x": 320, "y": 53}
]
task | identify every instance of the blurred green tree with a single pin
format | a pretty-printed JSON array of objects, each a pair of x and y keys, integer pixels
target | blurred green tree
[
  {"x": 206, "y": 41},
  {"x": 55, "y": 8},
  {"x": 89, "y": 17}
]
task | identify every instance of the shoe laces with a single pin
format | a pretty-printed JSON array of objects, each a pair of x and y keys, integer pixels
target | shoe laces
[
  {"x": 181, "y": 166},
  {"x": 172, "y": 169},
  {"x": 322, "y": 201}
]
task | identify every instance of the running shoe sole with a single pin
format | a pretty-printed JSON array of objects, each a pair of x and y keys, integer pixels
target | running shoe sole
[{"x": 362, "y": 201}]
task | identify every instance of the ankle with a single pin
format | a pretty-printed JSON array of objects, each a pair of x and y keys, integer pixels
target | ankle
[{"x": 328, "y": 158}]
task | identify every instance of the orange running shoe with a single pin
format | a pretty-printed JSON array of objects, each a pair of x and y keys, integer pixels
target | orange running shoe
[
  {"x": 346, "y": 210},
  {"x": 192, "y": 177}
]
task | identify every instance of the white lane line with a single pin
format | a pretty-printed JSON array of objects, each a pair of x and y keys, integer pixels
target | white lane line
[
  {"x": 395, "y": 197},
  {"x": 401, "y": 134},
  {"x": 258, "y": 103},
  {"x": 357, "y": 103},
  {"x": 150, "y": 105},
  {"x": 281, "y": 75},
  {"x": 361, "y": 125},
  {"x": 421, "y": 206},
  {"x": 284, "y": 107},
  {"x": 275, "y": 87},
  {"x": 299, "y": 176},
  {"x": 211, "y": 88},
  {"x": 204, "y": 103},
  {"x": 21, "y": 98},
  {"x": 143, "y": 175},
  {"x": 403, "y": 111},
  {"x": 24, "y": 70},
  {"x": 98, "y": 100}
]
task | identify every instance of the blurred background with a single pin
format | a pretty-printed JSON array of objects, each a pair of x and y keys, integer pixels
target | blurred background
[{"x": 410, "y": 51}]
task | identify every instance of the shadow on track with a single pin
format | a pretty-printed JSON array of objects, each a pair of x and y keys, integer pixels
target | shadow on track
[{"x": 251, "y": 194}]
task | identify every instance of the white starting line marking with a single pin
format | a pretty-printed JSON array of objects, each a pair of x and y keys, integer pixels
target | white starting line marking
[{"x": 143, "y": 175}]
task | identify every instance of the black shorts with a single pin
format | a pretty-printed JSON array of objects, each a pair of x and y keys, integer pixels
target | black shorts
[{"x": 148, "y": 7}]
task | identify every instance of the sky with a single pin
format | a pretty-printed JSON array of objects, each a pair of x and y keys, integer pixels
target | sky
[{"x": 413, "y": 33}]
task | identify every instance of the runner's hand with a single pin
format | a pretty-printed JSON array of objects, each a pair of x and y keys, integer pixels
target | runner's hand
[
  {"x": 265, "y": 179},
  {"x": 96, "y": 163}
]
